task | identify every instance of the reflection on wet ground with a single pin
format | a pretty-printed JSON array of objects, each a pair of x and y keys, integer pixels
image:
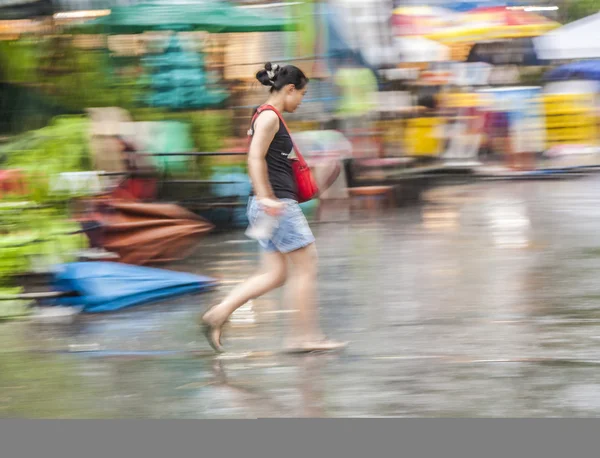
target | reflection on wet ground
[{"x": 484, "y": 301}]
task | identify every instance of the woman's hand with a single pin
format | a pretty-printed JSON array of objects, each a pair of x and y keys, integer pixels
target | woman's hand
[{"x": 271, "y": 206}]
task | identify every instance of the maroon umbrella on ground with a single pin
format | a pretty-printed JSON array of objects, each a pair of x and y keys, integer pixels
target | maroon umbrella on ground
[{"x": 149, "y": 233}]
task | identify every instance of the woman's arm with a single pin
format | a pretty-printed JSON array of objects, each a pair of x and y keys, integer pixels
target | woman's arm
[{"x": 265, "y": 128}]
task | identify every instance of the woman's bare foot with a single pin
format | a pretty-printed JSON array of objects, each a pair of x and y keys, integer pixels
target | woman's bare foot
[
  {"x": 212, "y": 330},
  {"x": 308, "y": 346}
]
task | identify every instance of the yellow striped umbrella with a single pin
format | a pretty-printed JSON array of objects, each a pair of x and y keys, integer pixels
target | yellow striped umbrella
[{"x": 495, "y": 23}]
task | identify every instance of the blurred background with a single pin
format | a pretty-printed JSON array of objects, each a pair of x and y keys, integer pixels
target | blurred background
[{"x": 461, "y": 140}]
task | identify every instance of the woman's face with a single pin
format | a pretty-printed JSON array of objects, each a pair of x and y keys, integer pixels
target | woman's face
[{"x": 293, "y": 97}]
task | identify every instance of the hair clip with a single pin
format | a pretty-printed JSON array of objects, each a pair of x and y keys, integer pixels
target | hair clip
[{"x": 273, "y": 72}]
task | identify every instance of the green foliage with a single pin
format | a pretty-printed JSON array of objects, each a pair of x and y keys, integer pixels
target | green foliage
[
  {"x": 578, "y": 9},
  {"x": 72, "y": 78},
  {"x": 18, "y": 60},
  {"x": 210, "y": 129},
  {"x": 86, "y": 82}
]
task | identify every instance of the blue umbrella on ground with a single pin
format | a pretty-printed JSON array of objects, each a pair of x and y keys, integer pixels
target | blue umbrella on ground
[{"x": 109, "y": 286}]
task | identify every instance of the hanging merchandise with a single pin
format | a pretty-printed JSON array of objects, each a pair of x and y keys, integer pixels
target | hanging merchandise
[
  {"x": 177, "y": 79},
  {"x": 525, "y": 115}
]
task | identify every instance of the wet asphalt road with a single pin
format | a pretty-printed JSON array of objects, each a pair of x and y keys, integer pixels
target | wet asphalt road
[{"x": 484, "y": 301}]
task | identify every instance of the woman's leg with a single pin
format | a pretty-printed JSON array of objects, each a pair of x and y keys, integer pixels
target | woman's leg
[
  {"x": 307, "y": 335},
  {"x": 302, "y": 296},
  {"x": 272, "y": 274}
]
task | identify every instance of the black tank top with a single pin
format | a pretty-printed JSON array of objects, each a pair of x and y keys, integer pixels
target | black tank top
[{"x": 279, "y": 166}]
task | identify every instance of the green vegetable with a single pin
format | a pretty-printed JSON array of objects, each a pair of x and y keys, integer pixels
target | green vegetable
[
  {"x": 63, "y": 146},
  {"x": 36, "y": 239},
  {"x": 12, "y": 309}
]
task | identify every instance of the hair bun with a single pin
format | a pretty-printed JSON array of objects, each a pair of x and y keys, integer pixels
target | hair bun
[
  {"x": 277, "y": 77},
  {"x": 268, "y": 75}
]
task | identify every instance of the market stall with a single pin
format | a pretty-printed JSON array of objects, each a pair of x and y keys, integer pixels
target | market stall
[{"x": 571, "y": 105}]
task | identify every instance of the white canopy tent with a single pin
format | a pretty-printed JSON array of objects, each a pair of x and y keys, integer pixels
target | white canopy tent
[
  {"x": 577, "y": 40},
  {"x": 419, "y": 49}
]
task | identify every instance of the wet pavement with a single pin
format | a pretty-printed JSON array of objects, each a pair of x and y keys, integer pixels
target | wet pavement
[{"x": 484, "y": 301}]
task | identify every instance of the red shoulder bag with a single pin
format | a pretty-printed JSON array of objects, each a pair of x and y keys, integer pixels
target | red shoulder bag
[{"x": 306, "y": 186}]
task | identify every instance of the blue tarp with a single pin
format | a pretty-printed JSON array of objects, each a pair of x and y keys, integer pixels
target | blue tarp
[
  {"x": 585, "y": 70},
  {"x": 110, "y": 286},
  {"x": 465, "y": 6}
]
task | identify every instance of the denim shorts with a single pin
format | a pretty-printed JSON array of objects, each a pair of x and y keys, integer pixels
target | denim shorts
[{"x": 292, "y": 231}]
